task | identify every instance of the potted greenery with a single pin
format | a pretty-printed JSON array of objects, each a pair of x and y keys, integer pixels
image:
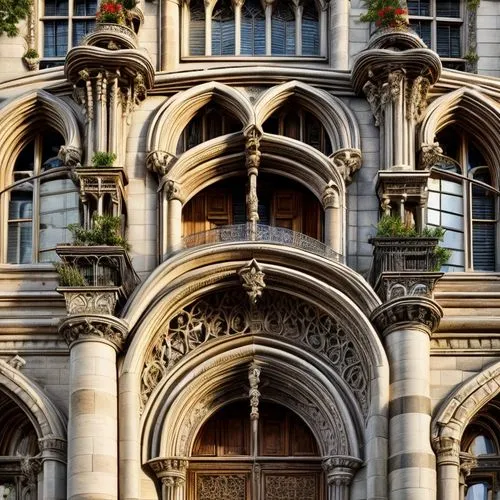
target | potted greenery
[
  {"x": 103, "y": 159},
  {"x": 105, "y": 230},
  {"x": 399, "y": 247},
  {"x": 111, "y": 12},
  {"x": 69, "y": 275},
  {"x": 32, "y": 59},
  {"x": 386, "y": 14}
]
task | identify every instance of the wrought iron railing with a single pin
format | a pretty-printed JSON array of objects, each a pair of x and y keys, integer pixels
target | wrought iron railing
[{"x": 269, "y": 234}]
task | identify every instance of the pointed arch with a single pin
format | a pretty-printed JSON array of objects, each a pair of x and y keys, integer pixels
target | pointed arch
[
  {"x": 180, "y": 109},
  {"x": 47, "y": 420},
  {"x": 19, "y": 117},
  {"x": 339, "y": 121},
  {"x": 473, "y": 110}
]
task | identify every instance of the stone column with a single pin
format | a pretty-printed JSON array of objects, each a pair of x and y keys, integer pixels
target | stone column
[
  {"x": 53, "y": 451},
  {"x": 171, "y": 473},
  {"x": 333, "y": 231},
  {"x": 448, "y": 468},
  {"x": 339, "y": 472},
  {"x": 92, "y": 425},
  {"x": 252, "y": 163},
  {"x": 405, "y": 323},
  {"x": 174, "y": 224}
]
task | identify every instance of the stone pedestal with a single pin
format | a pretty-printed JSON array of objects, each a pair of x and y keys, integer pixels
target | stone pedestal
[{"x": 406, "y": 324}]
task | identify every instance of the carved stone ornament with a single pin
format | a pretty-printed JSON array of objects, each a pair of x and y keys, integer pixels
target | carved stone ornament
[
  {"x": 85, "y": 302},
  {"x": 70, "y": 156},
  {"x": 252, "y": 147},
  {"x": 347, "y": 161},
  {"x": 170, "y": 468},
  {"x": 291, "y": 486},
  {"x": 429, "y": 155},
  {"x": 373, "y": 96},
  {"x": 88, "y": 327},
  {"x": 17, "y": 362},
  {"x": 341, "y": 469},
  {"x": 231, "y": 486},
  {"x": 447, "y": 450},
  {"x": 393, "y": 285},
  {"x": 253, "y": 393},
  {"x": 412, "y": 312},
  {"x": 53, "y": 447},
  {"x": 30, "y": 467},
  {"x": 227, "y": 313},
  {"x": 160, "y": 162},
  {"x": 330, "y": 197},
  {"x": 173, "y": 190},
  {"x": 252, "y": 280},
  {"x": 416, "y": 100},
  {"x": 469, "y": 462}
]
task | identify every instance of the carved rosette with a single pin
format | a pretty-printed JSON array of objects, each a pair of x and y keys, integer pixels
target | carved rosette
[
  {"x": 407, "y": 312},
  {"x": 252, "y": 280},
  {"x": 347, "y": 161},
  {"x": 85, "y": 327},
  {"x": 340, "y": 470},
  {"x": 447, "y": 450}
]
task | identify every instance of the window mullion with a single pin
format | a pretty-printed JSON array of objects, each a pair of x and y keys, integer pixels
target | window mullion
[
  {"x": 35, "y": 217},
  {"x": 298, "y": 10},
  {"x": 70, "y": 24}
]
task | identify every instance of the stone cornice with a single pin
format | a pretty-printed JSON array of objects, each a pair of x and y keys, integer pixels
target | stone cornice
[
  {"x": 85, "y": 327},
  {"x": 409, "y": 311}
]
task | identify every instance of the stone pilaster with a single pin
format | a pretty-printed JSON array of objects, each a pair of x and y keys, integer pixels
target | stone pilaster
[
  {"x": 92, "y": 425},
  {"x": 53, "y": 457},
  {"x": 405, "y": 324},
  {"x": 448, "y": 467},
  {"x": 339, "y": 472},
  {"x": 174, "y": 199},
  {"x": 171, "y": 474}
]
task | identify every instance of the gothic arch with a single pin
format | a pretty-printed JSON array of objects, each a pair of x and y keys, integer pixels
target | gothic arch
[
  {"x": 338, "y": 120},
  {"x": 176, "y": 113},
  {"x": 463, "y": 403},
  {"x": 21, "y": 115},
  {"x": 45, "y": 417},
  {"x": 224, "y": 156},
  {"x": 331, "y": 289},
  {"x": 471, "y": 109}
]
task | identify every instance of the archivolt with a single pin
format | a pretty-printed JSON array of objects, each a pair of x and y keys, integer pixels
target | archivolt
[
  {"x": 472, "y": 110},
  {"x": 460, "y": 407},
  {"x": 21, "y": 115},
  {"x": 45, "y": 417},
  {"x": 339, "y": 122},
  {"x": 177, "y": 112}
]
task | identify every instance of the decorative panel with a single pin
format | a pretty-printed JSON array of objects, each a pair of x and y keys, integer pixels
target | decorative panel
[
  {"x": 291, "y": 487},
  {"x": 221, "y": 487}
]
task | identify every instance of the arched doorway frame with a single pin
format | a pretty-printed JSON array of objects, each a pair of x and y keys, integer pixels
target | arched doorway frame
[
  {"x": 191, "y": 274},
  {"x": 49, "y": 425}
]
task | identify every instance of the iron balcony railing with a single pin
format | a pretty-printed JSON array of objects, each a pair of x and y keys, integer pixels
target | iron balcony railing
[{"x": 269, "y": 234}]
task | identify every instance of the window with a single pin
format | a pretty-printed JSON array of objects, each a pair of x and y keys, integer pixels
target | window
[
  {"x": 463, "y": 201},
  {"x": 239, "y": 28},
  {"x": 42, "y": 201},
  {"x": 439, "y": 24},
  {"x": 65, "y": 23}
]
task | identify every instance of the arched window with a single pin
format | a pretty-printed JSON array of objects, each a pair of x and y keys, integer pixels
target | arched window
[
  {"x": 463, "y": 200},
  {"x": 223, "y": 29},
  {"x": 253, "y": 29},
  {"x": 242, "y": 28},
  {"x": 41, "y": 200}
]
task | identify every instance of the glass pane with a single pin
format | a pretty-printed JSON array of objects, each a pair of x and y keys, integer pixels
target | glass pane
[
  {"x": 223, "y": 29},
  {"x": 452, "y": 203},
  {"x": 477, "y": 491},
  {"x": 85, "y": 7},
  {"x": 423, "y": 30},
  {"x": 310, "y": 30},
  {"x": 453, "y": 240},
  {"x": 419, "y": 7},
  {"x": 55, "y": 38},
  {"x": 447, "y": 8},
  {"x": 483, "y": 246},
  {"x": 56, "y": 8},
  {"x": 283, "y": 31},
  {"x": 19, "y": 242},
  {"x": 197, "y": 28},
  {"x": 482, "y": 445},
  {"x": 80, "y": 29},
  {"x": 448, "y": 40},
  {"x": 253, "y": 29}
]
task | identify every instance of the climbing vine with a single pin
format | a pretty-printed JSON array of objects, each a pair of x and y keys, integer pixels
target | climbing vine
[{"x": 11, "y": 12}]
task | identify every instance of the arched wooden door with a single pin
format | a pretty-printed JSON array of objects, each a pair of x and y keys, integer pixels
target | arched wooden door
[{"x": 276, "y": 459}]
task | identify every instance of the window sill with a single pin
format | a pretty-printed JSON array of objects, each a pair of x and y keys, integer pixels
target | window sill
[{"x": 260, "y": 59}]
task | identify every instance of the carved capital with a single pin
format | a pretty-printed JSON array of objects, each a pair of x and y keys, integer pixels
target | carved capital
[
  {"x": 53, "y": 448},
  {"x": 416, "y": 100},
  {"x": 394, "y": 285},
  {"x": 160, "y": 162},
  {"x": 467, "y": 463},
  {"x": 80, "y": 301},
  {"x": 347, "y": 161},
  {"x": 341, "y": 469},
  {"x": 30, "y": 467},
  {"x": 81, "y": 327},
  {"x": 252, "y": 280},
  {"x": 170, "y": 471},
  {"x": 429, "y": 155},
  {"x": 407, "y": 312},
  {"x": 447, "y": 450},
  {"x": 330, "y": 198}
]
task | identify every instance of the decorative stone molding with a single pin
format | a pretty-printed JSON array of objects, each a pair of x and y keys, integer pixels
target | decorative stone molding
[
  {"x": 252, "y": 280},
  {"x": 94, "y": 327},
  {"x": 169, "y": 470},
  {"x": 407, "y": 311},
  {"x": 394, "y": 285},
  {"x": 160, "y": 162},
  {"x": 227, "y": 313},
  {"x": 70, "y": 155},
  {"x": 488, "y": 346},
  {"x": 416, "y": 99},
  {"x": 429, "y": 155},
  {"x": 53, "y": 448},
  {"x": 253, "y": 154},
  {"x": 447, "y": 450},
  {"x": 347, "y": 161},
  {"x": 253, "y": 393},
  {"x": 340, "y": 470},
  {"x": 17, "y": 362},
  {"x": 82, "y": 301},
  {"x": 112, "y": 36}
]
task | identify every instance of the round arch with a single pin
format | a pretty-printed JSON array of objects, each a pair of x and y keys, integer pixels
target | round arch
[
  {"x": 339, "y": 121},
  {"x": 20, "y": 115},
  {"x": 470, "y": 108},
  {"x": 326, "y": 286},
  {"x": 182, "y": 107}
]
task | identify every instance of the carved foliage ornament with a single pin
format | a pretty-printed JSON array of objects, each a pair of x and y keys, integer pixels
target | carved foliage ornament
[
  {"x": 252, "y": 280},
  {"x": 227, "y": 313},
  {"x": 347, "y": 161}
]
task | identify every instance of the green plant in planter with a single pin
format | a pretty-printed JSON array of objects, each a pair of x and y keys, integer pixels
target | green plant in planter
[
  {"x": 105, "y": 231},
  {"x": 385, "y": 14},
  {"x": 31, "y": 54},
  {"x": 103, "y": 159},
  {"x": 393, "y": 227},
  {"x": 69, "y": 275}
]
